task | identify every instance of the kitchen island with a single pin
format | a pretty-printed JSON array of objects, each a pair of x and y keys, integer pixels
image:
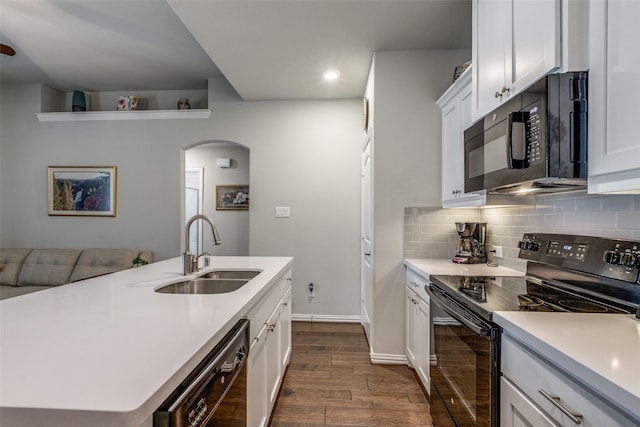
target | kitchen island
[{"x": 109, "y": 350}]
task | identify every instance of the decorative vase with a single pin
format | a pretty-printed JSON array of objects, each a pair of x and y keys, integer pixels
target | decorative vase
[
  {"x": 127, "y": 103},
  {"x": 78, "y": 102}
]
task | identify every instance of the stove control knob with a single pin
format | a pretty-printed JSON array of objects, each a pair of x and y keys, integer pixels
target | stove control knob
[
  {"x": 629, "y": 260},
  {"x": 530, "y": 246},
  {"x": 611, "y": 257},
  {"x": 520, "y": 244}
]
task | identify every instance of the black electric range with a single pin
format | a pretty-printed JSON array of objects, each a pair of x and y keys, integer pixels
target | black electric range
[{"x": 564, "y": 273}]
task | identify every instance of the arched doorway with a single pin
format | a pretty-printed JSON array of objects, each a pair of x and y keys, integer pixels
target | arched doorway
[{"x": 209, "y": 167}]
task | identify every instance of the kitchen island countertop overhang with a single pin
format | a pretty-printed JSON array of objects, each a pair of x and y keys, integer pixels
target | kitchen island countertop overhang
[{"x": 109, "y": 350}]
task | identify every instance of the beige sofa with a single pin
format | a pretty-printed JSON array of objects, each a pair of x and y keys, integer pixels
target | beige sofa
[{"x": 28, "y": 270}]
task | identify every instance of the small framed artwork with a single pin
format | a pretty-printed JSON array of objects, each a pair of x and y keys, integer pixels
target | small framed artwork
[
  {"x": 232, "y": 197},
  {"x": 82, "y": 190}
]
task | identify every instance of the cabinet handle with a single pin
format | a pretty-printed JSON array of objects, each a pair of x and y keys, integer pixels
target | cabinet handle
[
  {"x": 272, "y": 327},
  {"x": 555, "y": 400},
  {"x": 497, "y": 95},
  {"x": 415, "y": 285},
  {"x": 285, "y": 304},
  {"x": 367, "y": 253}
]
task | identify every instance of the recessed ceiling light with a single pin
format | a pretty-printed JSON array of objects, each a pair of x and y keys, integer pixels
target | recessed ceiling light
[{"x": 331, "y": 75}]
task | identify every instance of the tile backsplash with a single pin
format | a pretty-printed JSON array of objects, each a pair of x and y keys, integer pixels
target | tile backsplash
[{"x": 430, "y": 232}]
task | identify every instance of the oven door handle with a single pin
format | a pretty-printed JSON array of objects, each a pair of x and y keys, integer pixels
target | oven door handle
[{"x": 478, "y": 329}]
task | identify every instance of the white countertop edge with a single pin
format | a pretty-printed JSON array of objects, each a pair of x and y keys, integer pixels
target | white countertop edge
[
  {"x": 447, "y": 267},
  {"x": 570, "y": 363},
  {"x": 136, "y": 413}
]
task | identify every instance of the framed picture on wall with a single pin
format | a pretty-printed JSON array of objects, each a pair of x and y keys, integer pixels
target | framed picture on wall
[
  {"x": 82, "y": 190},
  {"x": 232, "y": 197}
]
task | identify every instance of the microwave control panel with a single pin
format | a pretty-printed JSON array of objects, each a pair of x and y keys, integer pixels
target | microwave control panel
[{"x": 535, "y": 135}]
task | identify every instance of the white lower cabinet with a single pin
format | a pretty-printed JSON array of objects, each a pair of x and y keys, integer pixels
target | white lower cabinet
[
  {"x": 417, "y": 327},
  {"x": 269, "y": 352},
  {"x": 534, "y": 393},
  {"x": 257, "y": 415},
  {"x": 516, "y": 410}
]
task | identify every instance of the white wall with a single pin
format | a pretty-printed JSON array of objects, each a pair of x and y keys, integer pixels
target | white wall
[
  {"x": 304, "y": 154},
  {"x": 407, "y": 170},
  {"x": 232, "y": 225}
]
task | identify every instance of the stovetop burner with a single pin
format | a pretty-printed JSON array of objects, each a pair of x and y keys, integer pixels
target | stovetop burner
[
  {"x": 583, "y": 306},
  {"x": 529, "y": 303}
]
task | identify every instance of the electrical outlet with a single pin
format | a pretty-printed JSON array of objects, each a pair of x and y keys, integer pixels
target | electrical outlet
[
  {"x": 312, "y": 290},
  {"x": 497, "y": 251},
  {"x": 283, "y": 212}
]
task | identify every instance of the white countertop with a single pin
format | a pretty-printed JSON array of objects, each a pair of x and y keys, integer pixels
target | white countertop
[
  {"x": 109, "y": 350},
  {"x": 450, "y": 268},
  {"x": 601, "y": 350}
]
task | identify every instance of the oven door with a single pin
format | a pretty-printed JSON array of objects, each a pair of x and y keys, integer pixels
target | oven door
[{"x": 464, "y": 374}]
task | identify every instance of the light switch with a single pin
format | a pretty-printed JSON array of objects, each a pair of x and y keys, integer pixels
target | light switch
[{"x": 282, "y": 212}]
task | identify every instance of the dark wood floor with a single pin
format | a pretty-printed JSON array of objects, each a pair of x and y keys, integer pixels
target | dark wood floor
[{"x": 330, "y": 382}]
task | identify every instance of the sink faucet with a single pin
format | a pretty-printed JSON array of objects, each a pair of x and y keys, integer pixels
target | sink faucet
[{"x": 189, "y": 260}]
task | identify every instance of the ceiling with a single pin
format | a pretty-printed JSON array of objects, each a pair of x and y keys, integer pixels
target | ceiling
[{"x": 266, "y": 49}]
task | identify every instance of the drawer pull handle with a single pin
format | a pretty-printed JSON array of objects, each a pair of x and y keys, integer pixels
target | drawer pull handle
[
  {"x": 414, "y": 283},
  {"x": 555, "y": 400}
]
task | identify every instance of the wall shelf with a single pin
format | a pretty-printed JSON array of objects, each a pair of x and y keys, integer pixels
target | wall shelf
[{"x": 123, "y": 115}]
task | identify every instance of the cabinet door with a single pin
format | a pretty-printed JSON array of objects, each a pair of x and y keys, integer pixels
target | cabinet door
[
  {"x": 514, "y": 44},
  {"x": 456, "y": 117},
  {"x": 451, "y": 152},
  {"x": 411, "y": 311},
  {"x": 274, "y": 358},
  {"x": 285, "y": 330},
  {"x": 535, "y": 35},
  {"x": 423, "y": 356},
  {"x": 516, "y": 410},
  {"x": 489, "y": 44},
  {"x": 614, "y": 88},
  {"x": 257, "y": 414}
]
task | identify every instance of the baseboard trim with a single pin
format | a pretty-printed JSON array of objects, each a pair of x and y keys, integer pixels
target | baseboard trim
[
  {"x": 326, "y": 318},
  {"x": 388, "y": 359}
]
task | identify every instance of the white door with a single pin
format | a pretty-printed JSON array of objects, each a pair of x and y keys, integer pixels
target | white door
[{"x": 366, "y": 268}]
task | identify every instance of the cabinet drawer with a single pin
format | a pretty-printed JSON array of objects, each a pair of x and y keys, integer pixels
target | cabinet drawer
[
  {"x": 417, "y": 283},
  {"x": 534, "y": 376}
]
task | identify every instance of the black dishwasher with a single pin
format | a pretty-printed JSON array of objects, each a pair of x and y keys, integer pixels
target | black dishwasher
[{"x": 214, "y": 394}]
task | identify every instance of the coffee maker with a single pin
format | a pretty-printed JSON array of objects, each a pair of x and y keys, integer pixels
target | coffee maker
[{"x": 471, "y": 243}]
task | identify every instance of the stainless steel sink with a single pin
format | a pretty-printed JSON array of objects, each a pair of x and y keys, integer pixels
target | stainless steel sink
[
  {"x": 214, "y": 282},
  {"x": 231, "y": 274}
]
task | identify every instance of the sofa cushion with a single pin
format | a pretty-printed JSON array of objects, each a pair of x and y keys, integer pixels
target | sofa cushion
[
  {"x": 48, "y": 267},
  {"x": 11, "y": 260},
  {"x": 96, "y": 262}
]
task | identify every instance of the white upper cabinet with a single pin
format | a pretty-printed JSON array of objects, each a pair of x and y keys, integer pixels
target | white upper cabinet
[
  {"x": 516, "y": 42},
  {"x": 488, "y": 51},
  {"x": 614, "y": 87},
  {"x": 456, "y": 117}
]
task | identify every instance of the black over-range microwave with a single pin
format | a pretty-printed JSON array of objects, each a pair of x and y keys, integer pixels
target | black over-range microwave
[{"x": 536, "y": 141}]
